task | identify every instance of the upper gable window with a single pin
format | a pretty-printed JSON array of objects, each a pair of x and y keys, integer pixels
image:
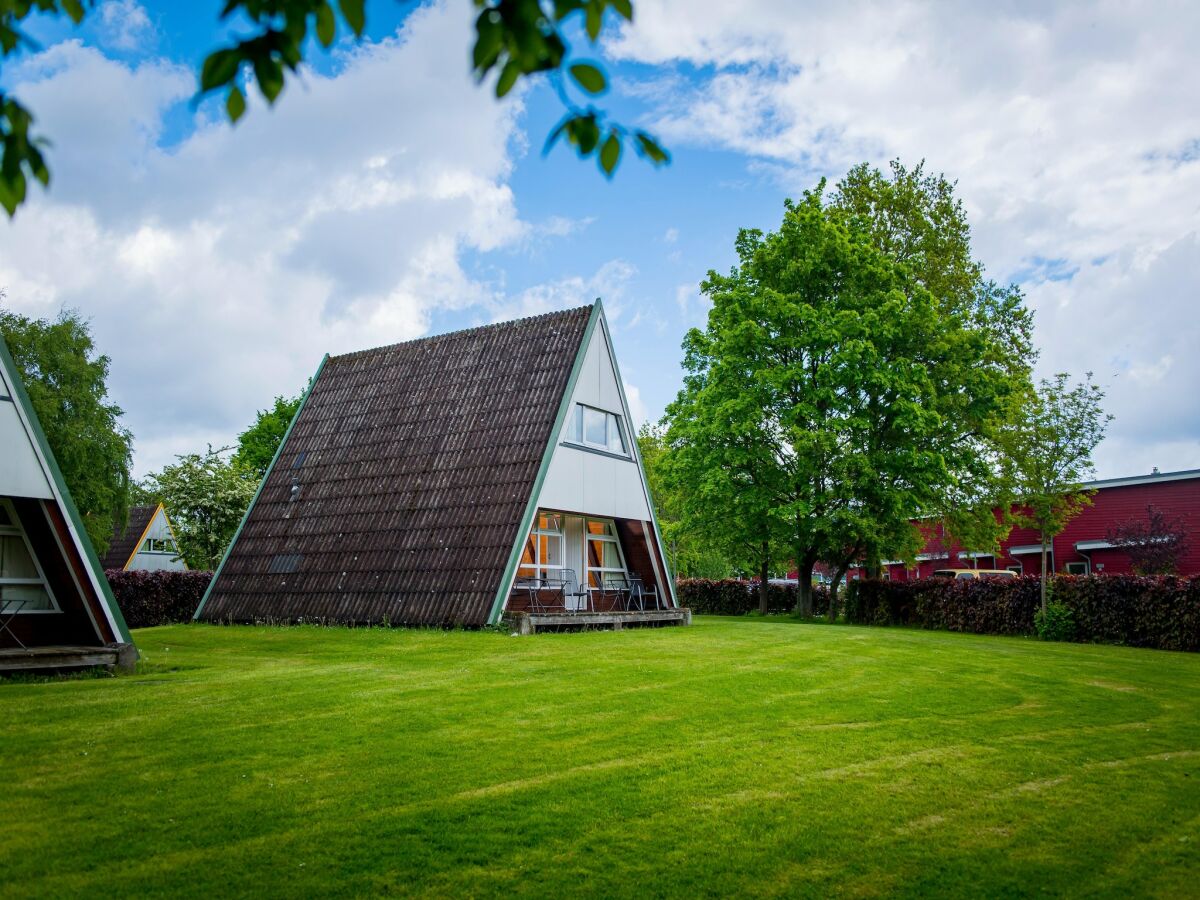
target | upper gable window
[
  {"x": 22, "y": 584},
  {"x": 597, "y": 429}
]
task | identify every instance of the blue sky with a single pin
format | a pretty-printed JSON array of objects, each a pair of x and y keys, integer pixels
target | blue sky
[{"x": 387, "y": 196}]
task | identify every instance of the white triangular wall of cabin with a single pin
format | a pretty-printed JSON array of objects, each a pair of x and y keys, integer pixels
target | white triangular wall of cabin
[
  {"x": 21, "y": 473},
  {"x": 585, "y": 478},
  {"x": 157, "y": 560}
]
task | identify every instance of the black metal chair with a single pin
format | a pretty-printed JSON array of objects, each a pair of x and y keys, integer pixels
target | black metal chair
[
  {"x": 8, "y": 615},
  {"x": 571, "y": 588},
  {"x": 640, "y": 595},
  {"x": 533, "y": 587},
  {"x": 615, "y": 589}
]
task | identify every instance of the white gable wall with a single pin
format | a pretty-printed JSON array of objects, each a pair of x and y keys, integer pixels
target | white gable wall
[
  {"x": 21, "y": 473},
  {"x": 584, "y": 481},
  {"x": 159, "y": 530}
]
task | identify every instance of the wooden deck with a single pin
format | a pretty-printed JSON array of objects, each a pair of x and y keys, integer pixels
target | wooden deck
[
  {"x": 65, "y": 658},
  {"x": 531, "y": 623}
]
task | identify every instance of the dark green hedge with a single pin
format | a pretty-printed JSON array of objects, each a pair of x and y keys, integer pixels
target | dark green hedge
[
  {"x": 157, "y": 598},
  {"x": 730, "y": 597},
  {"x": 1159, "y": 611}
]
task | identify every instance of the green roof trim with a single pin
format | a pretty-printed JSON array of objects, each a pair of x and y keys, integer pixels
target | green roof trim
[
  {"x": 74, "y": 520},
  {"x": 271, "y": 468},
  {"x": 560, "y": 419}
]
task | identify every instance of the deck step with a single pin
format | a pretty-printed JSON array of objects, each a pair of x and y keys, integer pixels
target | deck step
[
  {"x": 532, "y": 623},
  {"x": 33, "y": 659}
]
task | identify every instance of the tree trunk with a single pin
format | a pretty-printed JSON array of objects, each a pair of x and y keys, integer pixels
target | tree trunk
[
  {"x": 872, "y": 562},
  {"x": 838, "y": 574},
  {"x": 763, "y": 585},
  {"x": 1043, "y": 572},
  {"x": 804, "y": 597}
]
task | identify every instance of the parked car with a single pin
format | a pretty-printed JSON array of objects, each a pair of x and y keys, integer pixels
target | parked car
[{"x": 970, "y": 574}]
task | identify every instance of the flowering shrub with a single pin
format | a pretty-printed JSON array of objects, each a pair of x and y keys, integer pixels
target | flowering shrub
[
  {"x": 157, "y": 598},
  {"x": 1158, "y": 611},
  {"x": 731, "y": 597}
]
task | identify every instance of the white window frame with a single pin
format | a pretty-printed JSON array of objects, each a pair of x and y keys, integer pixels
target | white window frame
[
  {"x": 1017, "y": 568},
  {"x": 540, "y": 568},
  {"x": 18, "y": 530},
  {"x": 1087, "y": 570},
  {"x": 576, "y": 434},
  {"x": 588, "y": 568},
  {"x": 149, "y": 546}
]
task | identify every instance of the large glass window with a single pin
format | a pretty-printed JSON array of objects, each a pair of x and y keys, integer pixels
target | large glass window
[
  {"x": 22, "y": 587},
  {"x": 605, "y": 564},
  {"x": 542, "y": 556},
  {"x": 598, "y": 429},
  {"x": 159, "y": 545}
]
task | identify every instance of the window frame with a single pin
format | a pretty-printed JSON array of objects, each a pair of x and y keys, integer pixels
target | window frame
[
  {"x": 538, "y": 568},
  {"x": 1087, "y": 569},
  {"x": 148, "y": 546},
  {"x": 18, "y": 530},
  {"x": 607, "y": 538},
  {"x": 575, "y": 434}
]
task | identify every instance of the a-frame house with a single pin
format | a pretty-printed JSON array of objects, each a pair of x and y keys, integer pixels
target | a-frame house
[
  {"x": 145, "y": 544},
  {"x": 56, "y": 608},
  {"x": 456, "y": 480}
]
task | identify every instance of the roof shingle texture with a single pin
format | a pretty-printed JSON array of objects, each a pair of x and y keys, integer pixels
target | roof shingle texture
[
  {"x": 125, "y": 541},
  {"x": 399, "y": 492}
]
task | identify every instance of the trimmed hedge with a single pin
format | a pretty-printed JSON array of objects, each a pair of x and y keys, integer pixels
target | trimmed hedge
[
  {"x": 157, "y": 598},
  {"x": 731, "y": 597},
  {"x": 1158, "y": 611}
]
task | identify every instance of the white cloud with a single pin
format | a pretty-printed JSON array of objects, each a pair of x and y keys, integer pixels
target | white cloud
[
  {"x": 608, "y": 283},
  {"x": 1072, "y": 131},
  {"x": 125, "y": 25},
  {"x": 217, "y": 270}
]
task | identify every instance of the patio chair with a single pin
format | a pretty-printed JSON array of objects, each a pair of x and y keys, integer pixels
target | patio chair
[
  {"x": 572, "y": 588},
  {"x": 615, "y": 590},
  {"x": 533, "y": 587},
  {"x": 640, "y": 595},
  {"x": 8, "y": 615}
]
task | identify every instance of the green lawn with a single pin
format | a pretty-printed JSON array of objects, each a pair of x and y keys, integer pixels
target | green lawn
[{"x": 736, "y": 756}]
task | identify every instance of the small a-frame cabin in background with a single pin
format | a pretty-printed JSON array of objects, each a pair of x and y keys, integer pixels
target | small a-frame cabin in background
[
  {"x": 146, "y": 543},
  {"x": 56, "y": 608},
  {"x": 454, "y": 481}
]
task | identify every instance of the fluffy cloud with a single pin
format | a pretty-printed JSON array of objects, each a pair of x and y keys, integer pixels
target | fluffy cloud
[
  {"x": 216, "y": 268},
  {"x": 1072, "y": 130},
  {"x": 125, "y": 25}
]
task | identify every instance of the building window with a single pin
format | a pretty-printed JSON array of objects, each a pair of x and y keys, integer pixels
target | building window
[
  {"x": 1018, "y": 569},
  {"x": 543, "y": 554},
  {"x": 159, "y": 545},
  {"x": 605, "y": 562},
  {"x": 23, "y": 586},
  {"x": 1077, "y": 568},
  {"x": 597, "y": 429}
]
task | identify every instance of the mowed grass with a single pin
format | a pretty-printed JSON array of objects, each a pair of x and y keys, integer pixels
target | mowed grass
[{"x": 732, "y": 757}]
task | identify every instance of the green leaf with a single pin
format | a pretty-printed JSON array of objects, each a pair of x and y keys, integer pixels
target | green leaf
[
  {"x": 588, "y": 77},
  {"x": 508, "y": 77},
  {"x": 219, "y": 69},
  {"x": 74, "y": 9},
  {"x": 610, "y": 154},
  {"x": 624, "y": 9},
  {"x": 270, "y": 77},
  {"x": 488, "y": 43},
  {"x": 354, "y": 14},
  {"x": 326, "y": 24},
  {"x": 649, "y": 147},
  {"x": 584, "y": 134},
  {"x": 235, "y": 103},
  {"x": 595, "y": 20}
]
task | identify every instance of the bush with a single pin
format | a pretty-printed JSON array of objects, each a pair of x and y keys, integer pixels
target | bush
[
  {"x": 731, "y": 597},
  {"x": 157, "y": 598},
  {"x": 1055, "y": 623},
  {"x": 1157, "y": 611}
]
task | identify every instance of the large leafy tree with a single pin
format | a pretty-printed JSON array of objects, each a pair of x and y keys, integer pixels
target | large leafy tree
[
  {"x": 258, "y": 443},
  {"x": 814, "y": 339},
  {"x": 914, "y": 217},
  {"x": 1047, "y": 446},
  {"x": 67, "y": 385},
  {"x": 514, "y": 39},
  {"x": 206, "y": 495}
]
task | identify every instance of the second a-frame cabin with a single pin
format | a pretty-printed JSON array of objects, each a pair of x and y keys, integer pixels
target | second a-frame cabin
[
  {"x": 145, "y": 544},
  {"x": 56, "y": 608},
  {"x": 457, "y": 480}
]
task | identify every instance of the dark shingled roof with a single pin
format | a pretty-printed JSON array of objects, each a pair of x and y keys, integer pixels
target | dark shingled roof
[
  {"x": 125, "y": 540},
  {"x": 399, "y": 492}
]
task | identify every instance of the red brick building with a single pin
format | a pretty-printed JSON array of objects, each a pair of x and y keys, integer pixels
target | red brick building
[{"x": 1082, "y": 547}]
